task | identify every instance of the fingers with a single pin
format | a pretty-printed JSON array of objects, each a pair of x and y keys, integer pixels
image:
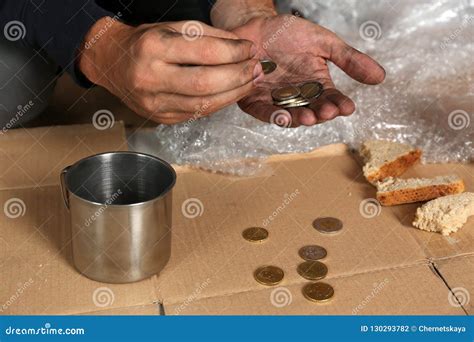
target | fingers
[
  {"x": 200, "y": 106},
  {"x": 345, "y": 105},
  {"x": 204, "y": 50},
  {"x": 354, "y": 63},
  {"x": 331, "y": 104},
  {"x": 194, "y": 29},
  {"x": 206, "y": 80},
  {"x": 303, "y": 116}
]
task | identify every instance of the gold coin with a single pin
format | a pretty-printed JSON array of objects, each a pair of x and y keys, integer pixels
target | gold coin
[
  {"x": 255, "y": 234},
  {"x": 327, "y": 225},
  {"x": 312, "y": 253},
  {"x": 318, "y": 292},
  {"x": 285, "y": 93},
  {"x": 268, "y": 275},
  {"x": 268, "y": 66},
  {"x": 312, "y": 270},
  {"x": 311, "y": 90}
]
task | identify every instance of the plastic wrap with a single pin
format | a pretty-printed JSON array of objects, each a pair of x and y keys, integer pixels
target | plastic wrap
[{"x": 427, "y": 100}]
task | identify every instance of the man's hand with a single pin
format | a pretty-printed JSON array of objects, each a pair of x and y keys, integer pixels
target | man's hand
[
  {"x": 301, "y": 50},
  {"x": 165, "y": 74}
]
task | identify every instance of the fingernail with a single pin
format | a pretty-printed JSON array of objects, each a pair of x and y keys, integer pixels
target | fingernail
[
  {"x": 257, "y": 70},
  {"x": 253, "y": 50},
  {"x": 259, "y": 79}
]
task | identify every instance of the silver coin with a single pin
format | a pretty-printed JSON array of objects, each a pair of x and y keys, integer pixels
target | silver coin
[
  {"x": 312, "y": 253},
  {"x": 290, "y": 101},
  {"x": 297, "y": 104}
]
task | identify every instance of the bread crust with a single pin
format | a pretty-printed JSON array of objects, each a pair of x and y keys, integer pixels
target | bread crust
[
  {"x": 426, "y": 193},
  {"x": 396, "y": 167}
]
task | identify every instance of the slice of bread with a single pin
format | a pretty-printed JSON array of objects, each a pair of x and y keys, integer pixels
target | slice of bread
[
  {"x": 384, "y": 159},
  {"x": 445, "y": 215},
  {"x": 393, "y": 191}
]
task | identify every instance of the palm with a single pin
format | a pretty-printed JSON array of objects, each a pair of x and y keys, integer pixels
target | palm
[{"x": 301, "y": 49}]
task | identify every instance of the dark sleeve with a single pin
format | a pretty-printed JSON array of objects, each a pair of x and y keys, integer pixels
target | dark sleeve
[{"x": 57, "y": 27}]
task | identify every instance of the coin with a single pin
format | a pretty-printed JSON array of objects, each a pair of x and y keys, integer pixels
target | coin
[
  {"x": 313, "y": 252},
  {"x": 285, "y": 93},
  {"x": 268, "y": 66},
  {"x": 285, "y": 102},
  {"x": 311, "y": 90},
  {"x": 327, "y": 225},
  {"x": 312, "y": 270},
  {"x": 318, "y": 292},
  {"x": 268, "y": 275},
  {"x": 299, "y": 103},
  {"x": 255, "y": 234}
]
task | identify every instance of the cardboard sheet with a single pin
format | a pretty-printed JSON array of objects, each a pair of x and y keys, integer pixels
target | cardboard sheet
[
  {"x": 458, "y": 273},
  {"x": 211, "y": 266},
  {"x": 34, "y": 157},
  {"x": 396, "y": 291}
]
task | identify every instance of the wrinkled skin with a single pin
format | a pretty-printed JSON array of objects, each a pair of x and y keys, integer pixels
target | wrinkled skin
[{"x": 301, "y": 50}]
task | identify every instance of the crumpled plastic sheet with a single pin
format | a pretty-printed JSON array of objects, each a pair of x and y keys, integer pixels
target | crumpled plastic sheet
[{"x": 427, "y": 99}]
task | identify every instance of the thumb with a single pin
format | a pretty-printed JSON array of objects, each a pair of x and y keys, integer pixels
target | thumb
[{"x": 356, "y": 64}]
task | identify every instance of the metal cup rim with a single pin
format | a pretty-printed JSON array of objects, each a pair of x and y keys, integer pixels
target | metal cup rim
[{"x": 141, "y": 154}]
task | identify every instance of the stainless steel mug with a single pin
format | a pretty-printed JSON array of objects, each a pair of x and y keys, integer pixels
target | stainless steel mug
[{"x": 120, "y": 209}]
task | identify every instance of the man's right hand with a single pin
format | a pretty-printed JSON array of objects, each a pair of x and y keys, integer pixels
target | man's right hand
[{"x": 165, "y": 74}]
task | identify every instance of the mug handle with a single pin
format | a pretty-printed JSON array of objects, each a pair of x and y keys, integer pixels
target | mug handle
[{"x": 64, "y": 190}]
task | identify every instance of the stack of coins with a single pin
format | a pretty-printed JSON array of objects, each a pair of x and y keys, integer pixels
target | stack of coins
[{"x": 292, "y": 96}]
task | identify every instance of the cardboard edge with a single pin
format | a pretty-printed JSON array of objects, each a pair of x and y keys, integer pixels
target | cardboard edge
[{"x": 331, "y": 150}]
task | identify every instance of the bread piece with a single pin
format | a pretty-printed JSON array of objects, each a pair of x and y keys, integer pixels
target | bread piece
[
  {"x": 393, "y": 191},
  {"x": 384, "y": 159},
  {"x": 446, "y": 214}
]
